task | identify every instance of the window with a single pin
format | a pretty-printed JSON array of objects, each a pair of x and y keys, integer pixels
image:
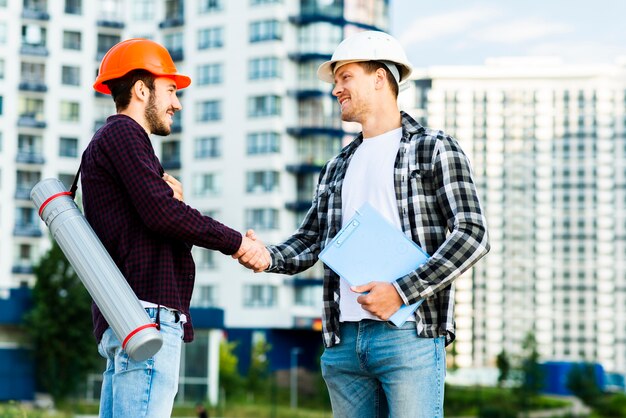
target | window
[
  {"x": 70, "y": 75},
  {"x": 210, "y": 110},
  {"x": 211, "y": 6},
  {"x": 30, "y": 108},
  {"x": 262, "y": 219},
  {"x": 262, "y": 181},
  {"x": 208, "y": 147},
  {"x": 29, "y": 146},
  {"x": 257, "y": 2},
  {"x": 143, "y": 10},
  {"x": 210, "y": 74},
  {"x": 210, "y": 38},
  {"x": 204, "y": 296},
  {"x": 259, "y": 106},
  {"x": 260, "y": 296},
  {"x": 67, "y": 179},
  {"x": 25, "y": 217},
  {"x": 105, "y": 42},
  {"x": 1, "y": 105},
  {"x": 206, "y": 184},
  {"x": 174, "y": 9},
  {"x": 70, "y": 111},
  {"x": 265, "y": 30},
  {"x": 204, "y": 259},
  {"x": 72, "y": 40},
  {"x": 170, "y": 151},
  {"x": 32, "y": 73},
  {"x": 174, "y": 44},
  {"x": 73, "y": 7},
  {"x": 3, "y": 33},
  {"x": 264, "y": 68},
  {"x": 25, "y": 180},
  {"x": 111, "y": 10},
  {"x": 263, "y": 143},
  {"x": 1, "y": 69},
  {"x": 68, "y": 147},
  {"x": 33, "y": 35}
]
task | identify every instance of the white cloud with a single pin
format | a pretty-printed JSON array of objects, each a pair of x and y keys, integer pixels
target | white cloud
[
  {"x": 520, "y": 30},
  {"x": 437, "y": 26}
]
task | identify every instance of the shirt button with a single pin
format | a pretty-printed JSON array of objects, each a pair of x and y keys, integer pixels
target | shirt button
[{"x": 191, "y": 277}]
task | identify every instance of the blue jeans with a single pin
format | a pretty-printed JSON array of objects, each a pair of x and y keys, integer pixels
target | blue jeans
[
  {"x": 380, "y": 370},
  {"x": 141, "y": 388}
]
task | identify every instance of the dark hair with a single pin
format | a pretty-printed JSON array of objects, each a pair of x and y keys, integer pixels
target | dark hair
[
  {"x": 372, "y": 66},
  {"x": 120, "y": 87}
]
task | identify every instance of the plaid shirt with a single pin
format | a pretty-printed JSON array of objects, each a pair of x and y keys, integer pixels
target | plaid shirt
[
  {"x": 439, "y": 210},
  {"x": 147, "y": 232}
]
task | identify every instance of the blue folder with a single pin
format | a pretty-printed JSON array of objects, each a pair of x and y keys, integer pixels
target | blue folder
[{"x": 368, "y": 249}]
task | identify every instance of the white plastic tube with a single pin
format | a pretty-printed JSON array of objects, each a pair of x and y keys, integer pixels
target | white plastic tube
[{"x": 96, "y": 269}]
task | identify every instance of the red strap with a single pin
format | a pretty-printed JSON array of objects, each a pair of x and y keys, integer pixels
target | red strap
[
  {"x": 54, "y": 196},
  {"x": 130, "y": 335}
]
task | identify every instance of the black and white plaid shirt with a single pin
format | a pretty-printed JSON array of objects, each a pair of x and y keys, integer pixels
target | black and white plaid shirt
[{"x": 439, "y": 210}]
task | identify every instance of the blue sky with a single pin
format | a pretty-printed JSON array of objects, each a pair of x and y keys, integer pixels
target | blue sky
[{"x": 443, "y": 32}]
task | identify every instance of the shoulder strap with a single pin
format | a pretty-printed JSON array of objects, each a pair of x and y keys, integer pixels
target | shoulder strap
[{"x": 75, "y": 182}]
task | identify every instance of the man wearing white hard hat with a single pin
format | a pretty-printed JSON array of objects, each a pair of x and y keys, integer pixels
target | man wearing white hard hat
[{"x": 420, "y": 180}]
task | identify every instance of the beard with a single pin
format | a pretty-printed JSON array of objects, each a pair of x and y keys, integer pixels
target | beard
[{"x": 156, "y": 125}]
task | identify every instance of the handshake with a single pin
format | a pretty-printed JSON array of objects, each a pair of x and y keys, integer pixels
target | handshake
[{"x": 252, "y": 253}]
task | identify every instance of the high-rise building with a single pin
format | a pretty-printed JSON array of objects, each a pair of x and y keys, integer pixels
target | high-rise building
[
  {"x": 255, "y": 129},
  {"x": 548, "y": 147}
]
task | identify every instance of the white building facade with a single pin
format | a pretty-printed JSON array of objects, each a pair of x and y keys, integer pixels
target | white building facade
[{"x": 548, "y": 146}]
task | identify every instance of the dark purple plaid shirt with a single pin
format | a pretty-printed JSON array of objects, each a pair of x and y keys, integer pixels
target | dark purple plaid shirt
[{"x": 148, "y": 233}]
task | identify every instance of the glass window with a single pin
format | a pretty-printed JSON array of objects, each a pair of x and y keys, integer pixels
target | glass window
[
  {"x": 3, "y": 33},
  {"x": 265, "y": 30},
  {"x": 257, "y": 2},
  {"x": 206, "y": 184},
  {"x": 209, "y": 110},
  {"x": 262, "y": 181},
  {"x": 70, "y": 111},
  {"x": 210, "y": 74},
  {"x": 170, "y": 152},
  {"x": 70, "y": 75},
  {"x": 208, "y": 147},
  {"x": 68, "y": 147},
  {"x": 1, "y": 69},
  {"x": 260, "y": 296},
  {"x": 209, "y": 38},
  {"x": 263, "y": 143},
  {"x": 264, "y": 68},
  {"x": 112, "y": 10},
  {"x": 33, "y": 35},
  {"x": 211, "y": 6},
  {"x": 174, "y": 9},
  {"x": 31, "y": 108},
  {"x": 204, "y": 296},
  {"x": 71, "y": 40},
  {"x": 32, "y": 72},
  {"x": 262, "y": 219},
  {"x": 105, "y": 42},
  {"x": 74, "y": 7},
  {"x": 143, "y": 10},
  {"x": 174, "y": 44},
  {"x": 264, "y": 106}
]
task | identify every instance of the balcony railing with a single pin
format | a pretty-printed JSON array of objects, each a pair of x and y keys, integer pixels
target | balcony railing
[
  {"x": 111, "y": 23},
  {"x": 27, "y": 230},
  {"x": 30, "y": 157},
  {"x": 172, "y": 22},
  {"x": 31, "y": 120},
  {"x": 35, "y": 14},
  {"x": 23, "y": 192},
  {"x": 37, "y": 86},
  {"x": 37, "y": 50}
]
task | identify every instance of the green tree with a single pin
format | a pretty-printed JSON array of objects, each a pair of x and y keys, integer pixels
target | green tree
[
  {"x": 258, "y": 372},
  {"x": 60, "y": 328},
  {"x": 230, "y": 380},
  {"x": 581, "y": 380},
  {"x": 532, "y": 375},
  {"x": 504, "y": 367}
]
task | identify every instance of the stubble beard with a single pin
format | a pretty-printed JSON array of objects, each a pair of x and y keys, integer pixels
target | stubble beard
[{"x": 157, "y": 126}]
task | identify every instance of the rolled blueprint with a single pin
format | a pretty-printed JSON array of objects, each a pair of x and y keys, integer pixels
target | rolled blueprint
[{"x": 96, "y": 269}]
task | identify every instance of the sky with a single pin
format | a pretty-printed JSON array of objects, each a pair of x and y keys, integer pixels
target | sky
[{"x": 455, "y": 32}]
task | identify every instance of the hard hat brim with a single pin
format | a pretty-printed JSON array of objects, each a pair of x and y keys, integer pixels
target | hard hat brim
[
  {"x": 182, "y": 81},
  {"x": 326, "y": 71}
]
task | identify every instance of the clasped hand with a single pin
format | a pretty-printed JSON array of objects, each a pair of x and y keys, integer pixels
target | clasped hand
[{"x": 252, "y": 253}]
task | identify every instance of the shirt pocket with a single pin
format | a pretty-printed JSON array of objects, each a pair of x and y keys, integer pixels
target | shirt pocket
[{"x": 422, "y": 180}]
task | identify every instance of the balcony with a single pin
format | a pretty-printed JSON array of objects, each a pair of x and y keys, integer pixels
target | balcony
[
  {"x": 111, "y": 23},
  {"x": 306, "y": 93},
  {"x": 22, "y": 268},
  {"x": 300, "y": 131},
  {"x": 304, "y": 168},
  {"x": 304, "y": 56},
  {"x": 33, "y": 85},
  {"x": 25, "y": 229},
  {"x": 22, "y": 192},
  {"x": 35, "y": 14},
  {"x": 298, "y": 205},
  {"x": 314, "y": 13},
  {"x": 36, "y": 50},
  {"x": 30, "y": 157},
  {"x": 31, "y": 120},
  {"x": 13, "y": 304},
  {"x": 177, "y": 54},
  {"x": 171, "y": 163},
  {"x": 172, "y": 22}
]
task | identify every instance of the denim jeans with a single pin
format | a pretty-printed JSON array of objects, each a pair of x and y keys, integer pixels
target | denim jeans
[
  {"x": 141, "y": 388},
  {"x": 381, "y": 370}
]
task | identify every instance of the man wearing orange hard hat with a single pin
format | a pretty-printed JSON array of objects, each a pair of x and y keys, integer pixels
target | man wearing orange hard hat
[{"x": 138, "y": 212}]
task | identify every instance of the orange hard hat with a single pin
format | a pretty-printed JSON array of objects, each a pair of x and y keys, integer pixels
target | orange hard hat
[{"x": 137, "y": 54}]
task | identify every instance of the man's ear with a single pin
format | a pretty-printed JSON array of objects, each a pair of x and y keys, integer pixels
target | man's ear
[
  {"x": 140, "y": 90},
  {"x": 381, "y": 78}
]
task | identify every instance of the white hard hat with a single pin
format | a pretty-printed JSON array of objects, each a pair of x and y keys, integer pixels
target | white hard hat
[{"x": 368, "y": 46}]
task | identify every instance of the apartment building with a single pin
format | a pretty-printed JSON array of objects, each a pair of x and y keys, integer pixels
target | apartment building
[
  {"x": 255, "y": 129},
  {"x": 548, "y": 147}
]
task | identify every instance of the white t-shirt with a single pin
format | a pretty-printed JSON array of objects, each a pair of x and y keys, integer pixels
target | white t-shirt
[{"x": 369, "y": 178}]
